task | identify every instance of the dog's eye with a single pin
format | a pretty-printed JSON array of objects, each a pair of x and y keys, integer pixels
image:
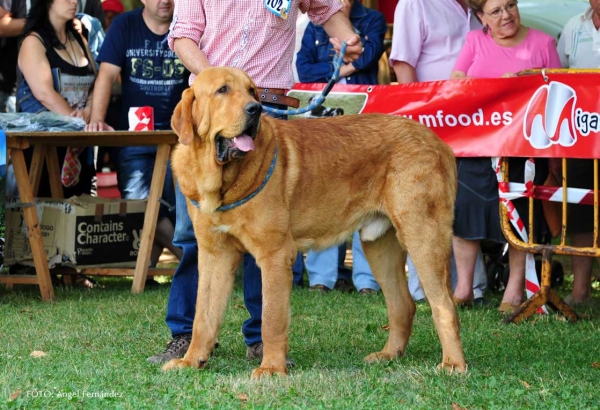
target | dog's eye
[
  {"x": 252, "y": 91},
  {"x": 223, "y": 89}
]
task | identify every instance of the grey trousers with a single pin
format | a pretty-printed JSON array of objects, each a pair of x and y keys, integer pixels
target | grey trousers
[{"x": 479, "y": 279}]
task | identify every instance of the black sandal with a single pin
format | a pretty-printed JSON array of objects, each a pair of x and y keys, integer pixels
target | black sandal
[{"x": 86, "y": 282}]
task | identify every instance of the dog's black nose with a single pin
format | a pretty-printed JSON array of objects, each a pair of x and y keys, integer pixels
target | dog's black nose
[{"x": 253, "y": 108}]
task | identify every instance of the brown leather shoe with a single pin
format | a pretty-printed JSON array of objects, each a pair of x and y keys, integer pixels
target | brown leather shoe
[
  {"x": 319, "y": 288},
  {"x": 367, "y": 291},
  {"x": 344, "y": 286}
]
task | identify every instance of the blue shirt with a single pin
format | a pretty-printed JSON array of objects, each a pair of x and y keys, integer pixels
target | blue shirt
[
  {"x": 314, "y": 61},
  {"x": 151, "y": 74}
]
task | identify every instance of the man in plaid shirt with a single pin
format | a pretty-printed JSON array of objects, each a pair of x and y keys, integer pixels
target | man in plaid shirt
[{"x": 257, "y": 37}]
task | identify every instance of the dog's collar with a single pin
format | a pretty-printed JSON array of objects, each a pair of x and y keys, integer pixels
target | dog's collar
[{"x": 242, "y": 201}]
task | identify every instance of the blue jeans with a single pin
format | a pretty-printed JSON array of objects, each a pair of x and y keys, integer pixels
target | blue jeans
[
  {"x": 184, "y": 287},
  {"x": 135, "y": 166},
  {"x": 362, "y": 276},
  {"x": 327, "y": 266}
]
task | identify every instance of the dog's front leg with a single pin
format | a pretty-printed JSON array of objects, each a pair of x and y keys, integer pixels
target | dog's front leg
[
  {"x": 276, "y": 289},
  {"x": 217, "y": 272}
]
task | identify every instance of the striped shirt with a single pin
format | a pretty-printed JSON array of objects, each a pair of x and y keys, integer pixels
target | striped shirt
[
  {"x": 579, "y": 43},
  {"x": 245, "y": 35}
]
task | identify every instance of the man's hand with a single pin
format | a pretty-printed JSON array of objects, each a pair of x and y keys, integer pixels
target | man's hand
[
  {"x": 82, "y": 113},
  {"x": 339, "y": 27},
  {"x": 347, "y": 69},
  {"x": 98, "y": 126},
  {"x": 354, "y": 47}
]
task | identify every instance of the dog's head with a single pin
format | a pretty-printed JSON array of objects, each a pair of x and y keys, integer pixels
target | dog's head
[{"x": 221, "y": 109}]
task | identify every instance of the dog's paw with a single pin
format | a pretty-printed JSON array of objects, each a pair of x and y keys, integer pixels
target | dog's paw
[
  {"x": 380, "y": 357},
  {"x": 261, "y": 372},
  {"x": 175, "y": 364},
  {"x": 183, "y": 363},
  {"x": 453, "y": 368}
]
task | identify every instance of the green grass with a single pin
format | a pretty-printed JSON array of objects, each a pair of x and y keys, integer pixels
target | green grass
[{"x": 97, "y": 343}]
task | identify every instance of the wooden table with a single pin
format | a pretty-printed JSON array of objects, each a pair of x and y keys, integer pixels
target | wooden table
[{"x": 45, "y": 144}]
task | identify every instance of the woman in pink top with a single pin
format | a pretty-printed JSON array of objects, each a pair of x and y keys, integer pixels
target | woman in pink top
[{"x": 503, "y": 48}]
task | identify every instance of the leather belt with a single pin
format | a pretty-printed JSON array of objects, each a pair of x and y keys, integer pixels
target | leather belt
[
  {"x": 275, "y": 90},
  {"x": 277, "y": 96}
]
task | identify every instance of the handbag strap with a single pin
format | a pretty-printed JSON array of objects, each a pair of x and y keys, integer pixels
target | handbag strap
[
  {"x": 88, "y": 54},
  {"x": 91, "y": 58}
]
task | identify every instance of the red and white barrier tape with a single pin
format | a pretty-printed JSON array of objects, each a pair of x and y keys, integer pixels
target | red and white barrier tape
[
  {"x": 532, "y": 285},
  {"x": 550, "y": 193}
]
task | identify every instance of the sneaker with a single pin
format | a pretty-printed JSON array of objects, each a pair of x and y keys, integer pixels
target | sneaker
[
  {"x": 255, "y": 351},
  {"x": 176, "y": 349},
  {"x": 367, "y": 291}
]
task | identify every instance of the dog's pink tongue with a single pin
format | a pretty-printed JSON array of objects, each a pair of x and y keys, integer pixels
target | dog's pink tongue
[{"x": 243, "y": 143}]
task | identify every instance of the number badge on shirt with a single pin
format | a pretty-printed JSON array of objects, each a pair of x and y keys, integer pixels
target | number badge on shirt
[{"x": 280, "y": 8}]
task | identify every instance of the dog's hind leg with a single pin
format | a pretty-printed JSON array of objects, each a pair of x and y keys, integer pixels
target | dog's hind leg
[
  {"x": 217, "y": 268},
  {"x": 387, "y": 260},
  {"x": 429, "y": 247}
]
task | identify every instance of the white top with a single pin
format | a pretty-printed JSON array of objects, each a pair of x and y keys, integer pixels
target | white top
[
  {"x": 579, "y": 43},
  {"x": 429, "y": 34}
]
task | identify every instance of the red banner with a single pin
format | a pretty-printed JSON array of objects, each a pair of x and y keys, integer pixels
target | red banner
[{"x": 553, "y": 116}]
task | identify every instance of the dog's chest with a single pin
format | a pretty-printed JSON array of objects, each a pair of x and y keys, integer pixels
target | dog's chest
[
  {"x": 216, "y": 223},
  {"x": 222, "y": 228}
]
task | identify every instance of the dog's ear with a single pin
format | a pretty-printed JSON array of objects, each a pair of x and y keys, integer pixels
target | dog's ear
[
  {"x": 181, "y": 121},
  {"x": 256, "y": 93},
  {"x": 252, "y": 86}
]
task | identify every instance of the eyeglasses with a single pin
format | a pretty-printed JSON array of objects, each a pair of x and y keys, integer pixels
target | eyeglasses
[{"x": 497, "y": 13}]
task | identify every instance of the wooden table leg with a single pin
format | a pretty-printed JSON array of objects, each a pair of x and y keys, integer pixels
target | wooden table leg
[
  {"x": 56, "y": 187},
  {"x": 36, "y": 166},
  {"x": 150, "y": 219},
  {"x": 33, "y": 226}
]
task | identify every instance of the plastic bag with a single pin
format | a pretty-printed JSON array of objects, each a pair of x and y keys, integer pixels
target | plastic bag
[{"x": 44, "y": 121}]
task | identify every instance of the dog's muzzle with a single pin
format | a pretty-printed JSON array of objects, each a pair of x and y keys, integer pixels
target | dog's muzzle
[{"x": 237, "y": 147}]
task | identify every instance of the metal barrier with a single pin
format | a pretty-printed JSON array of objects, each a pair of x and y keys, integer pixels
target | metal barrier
[{"x": 546, "y": 295}]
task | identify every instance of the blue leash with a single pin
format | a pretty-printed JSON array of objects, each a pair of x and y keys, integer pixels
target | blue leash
[{"x": 337, "y": 64}]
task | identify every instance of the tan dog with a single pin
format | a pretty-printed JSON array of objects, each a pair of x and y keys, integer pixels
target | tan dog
[{"x": 389, "y": 177}]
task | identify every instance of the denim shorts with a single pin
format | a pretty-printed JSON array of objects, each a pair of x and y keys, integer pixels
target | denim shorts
[{"x": 135, "y": 166}]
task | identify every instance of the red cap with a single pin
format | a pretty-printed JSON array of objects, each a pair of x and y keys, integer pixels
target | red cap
[{"x": 113, "y": 5}]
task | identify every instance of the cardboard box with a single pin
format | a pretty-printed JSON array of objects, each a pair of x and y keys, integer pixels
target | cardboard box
[{"x": 80, "y": 231}]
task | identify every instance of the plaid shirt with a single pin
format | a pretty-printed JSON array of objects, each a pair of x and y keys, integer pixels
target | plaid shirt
[{"x": 245, "y": 35}]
